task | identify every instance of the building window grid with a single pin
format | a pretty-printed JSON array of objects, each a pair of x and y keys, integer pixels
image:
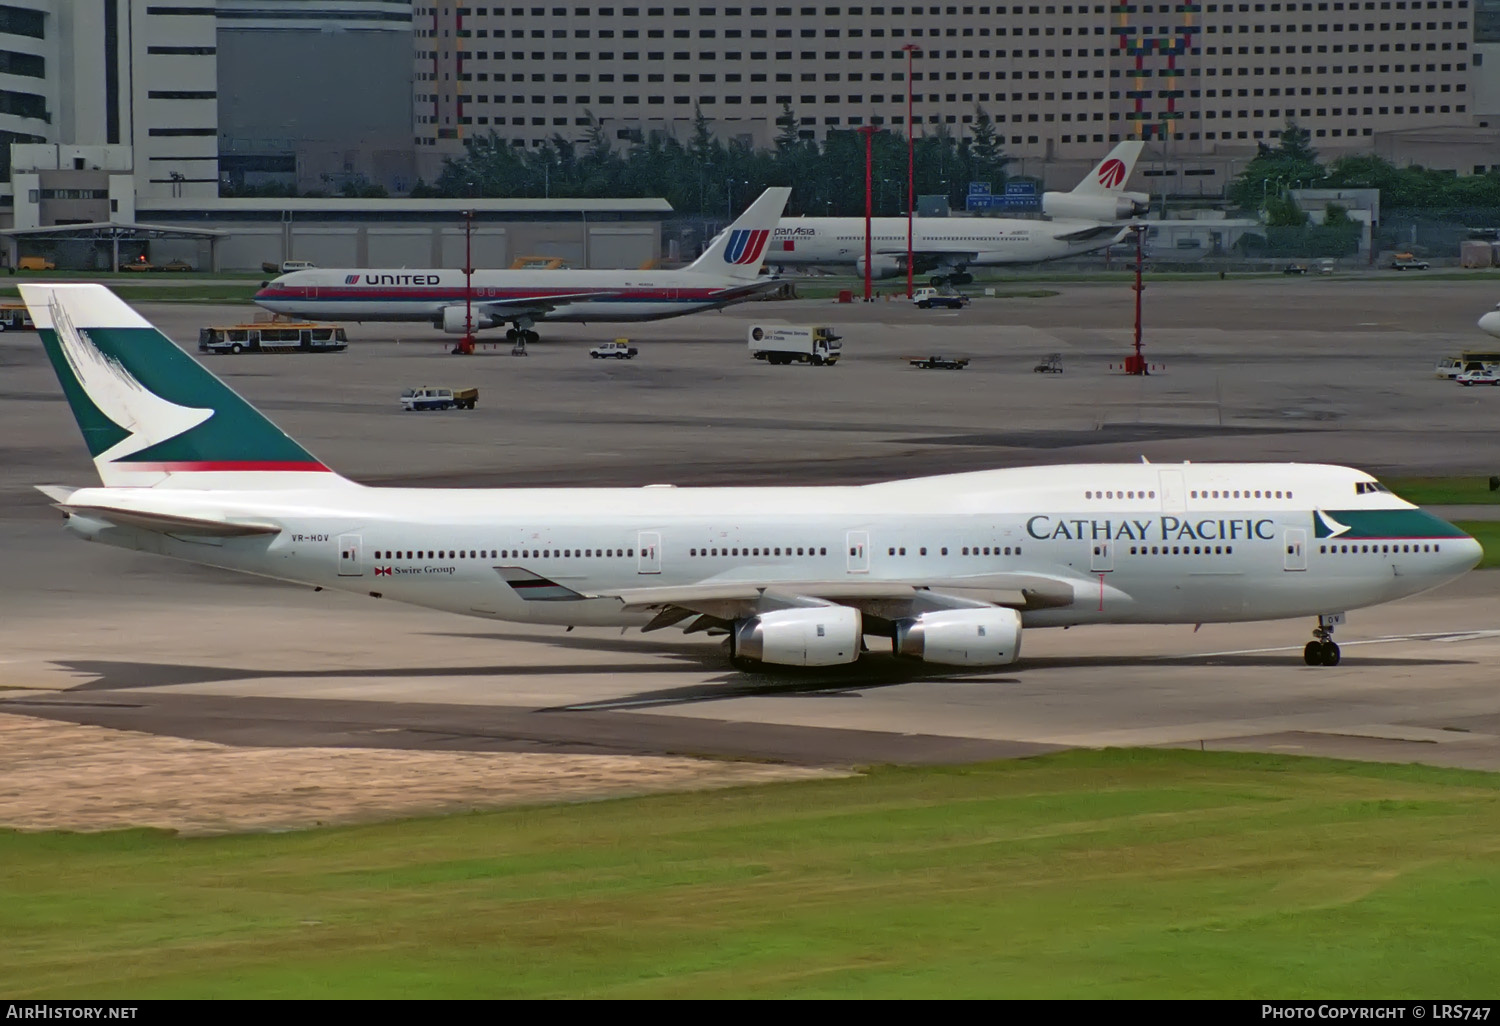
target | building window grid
[{"x": 1299, "y": 22}]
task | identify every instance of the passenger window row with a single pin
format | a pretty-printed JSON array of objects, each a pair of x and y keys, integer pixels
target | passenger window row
[
  {"x": 968, "y": 550},
  {"x": 1239, "y": 493},
  {"x": 1387, "y": 548},
  {"x": 760, "y": 550},
  {"x": 1120, "y": 495},
  {"x": 1176, "y": 550},
  {"x": 507, "y": 554}
]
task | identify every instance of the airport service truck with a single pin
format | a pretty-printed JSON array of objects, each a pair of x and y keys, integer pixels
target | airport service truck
[{"x": 795, "y": 343}]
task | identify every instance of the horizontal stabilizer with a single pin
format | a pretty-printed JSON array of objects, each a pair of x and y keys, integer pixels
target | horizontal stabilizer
[{"x": 169, "y": 523}]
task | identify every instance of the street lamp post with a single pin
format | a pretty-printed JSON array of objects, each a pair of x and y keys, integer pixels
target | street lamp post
[
  {"x": 912, "y": 49},
  {"x": 465, "y": 345},
  {"x": 868, "y": 131}
]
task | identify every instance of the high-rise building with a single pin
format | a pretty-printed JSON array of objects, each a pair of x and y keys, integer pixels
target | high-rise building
[
  {"x": 1059, "y": 80},
  {"x": 315, "y": 94},
  {"x": 125, "y": 85}
]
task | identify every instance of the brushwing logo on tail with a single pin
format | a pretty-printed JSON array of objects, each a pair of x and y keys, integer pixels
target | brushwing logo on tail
[
  {"x": 1112, "y": 172},
  {"x": 147, "y": 417},
  {"x": 746, "y": 245}
]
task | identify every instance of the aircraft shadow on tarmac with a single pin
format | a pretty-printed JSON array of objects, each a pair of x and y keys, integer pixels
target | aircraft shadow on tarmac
[{"x": 873, "y": 670}]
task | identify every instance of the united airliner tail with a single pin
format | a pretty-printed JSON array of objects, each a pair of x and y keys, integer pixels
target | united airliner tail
[
  {"x": 151, "y": 416},
  {"x": 737, "y": 252},
  {"x": 1111, "y": 173}
]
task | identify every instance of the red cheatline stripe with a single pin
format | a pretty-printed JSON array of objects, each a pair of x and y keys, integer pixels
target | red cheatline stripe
[{"x": 228, "y": 466}]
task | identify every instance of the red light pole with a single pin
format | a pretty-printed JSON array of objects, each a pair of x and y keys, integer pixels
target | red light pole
[
  {"x": 912, "y": 49},
  {"x": 1137, "y": 364},
  {"x": 868, "y": 131},
  {"x": 465, "y": 345}
]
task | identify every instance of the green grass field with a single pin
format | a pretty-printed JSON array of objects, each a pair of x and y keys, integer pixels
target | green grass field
[
  {"x": 1445, "y": 491},
  {"x": 131, "y": 291},
  {"x": 1084, "y": 874}
]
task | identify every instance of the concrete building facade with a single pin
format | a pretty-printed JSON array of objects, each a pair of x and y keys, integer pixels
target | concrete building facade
[
  {"x": 316, "y": 94},
  {"x": 1061, "y": 81},
  {"x": 123, "y": 76}
]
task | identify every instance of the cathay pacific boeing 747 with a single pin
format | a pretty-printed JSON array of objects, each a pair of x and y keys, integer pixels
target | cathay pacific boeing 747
[{"x": 952, "y": 569}]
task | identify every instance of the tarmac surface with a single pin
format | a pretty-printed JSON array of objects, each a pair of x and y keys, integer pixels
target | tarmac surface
[{"x": 1316, "y": 370}]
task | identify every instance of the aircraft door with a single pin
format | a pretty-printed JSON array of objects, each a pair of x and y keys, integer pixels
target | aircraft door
[
  {"x": 1173, "y": 497},
  {"x": 1294, "y": 552},
  {"x": 858, "y": 544},
  {"x": 649, "y": 547},
  {"x": 1101, "y": 555},
  {"x": 350, "y": 563}
]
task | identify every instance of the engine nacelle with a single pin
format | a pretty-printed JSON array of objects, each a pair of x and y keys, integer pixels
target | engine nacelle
[
  {"x": 810, "y": 636},
  {"x": 1117, "y": 207},
  {"x": 961, "y": 637},
  {"x": 453, "y": 320},
  {"x": 881, "y": 267}
]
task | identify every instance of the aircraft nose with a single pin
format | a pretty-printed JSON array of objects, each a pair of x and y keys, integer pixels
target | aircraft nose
[
  {"x": 1490, "y": 322},
  {"x": 1466, "y": 553}
]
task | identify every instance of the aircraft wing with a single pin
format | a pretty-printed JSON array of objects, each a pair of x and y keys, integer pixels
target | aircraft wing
[
  {"x": 753, "y": 288},
  {"x": 719, "y": 604},
  {"x": 969, "y": 255},
  {"x": 538, "y": 304},
  {"x": 1097, "y": 231}
]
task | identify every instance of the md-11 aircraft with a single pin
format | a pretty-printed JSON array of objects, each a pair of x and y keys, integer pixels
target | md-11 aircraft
[
  {"x": 727, "y": 272},
  {"x": 1083, "y": 220},
  {"x": 952, "y": 569}
]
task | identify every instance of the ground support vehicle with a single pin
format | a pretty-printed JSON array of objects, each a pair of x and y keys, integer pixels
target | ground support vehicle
[
  {"x": 272, "y": 337},
  {"x": 429, "y": 397},
  {"x": 795, "y": 343}
]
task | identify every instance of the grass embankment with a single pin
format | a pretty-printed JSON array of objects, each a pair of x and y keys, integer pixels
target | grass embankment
[
  {"x": 131, "y": 291},
  {"x": 1446, "y": 491},
  {"x": 1084, "y": 874}
]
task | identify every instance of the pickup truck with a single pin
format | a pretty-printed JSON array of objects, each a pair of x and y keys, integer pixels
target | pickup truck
[
  {"x": 1407, "y": 262},
  {"x": 929, "y": 297},
  {"x": 429, "y": 398},
  {"x": 619, "y": 349},
  {"x": 943, "y": 362}
]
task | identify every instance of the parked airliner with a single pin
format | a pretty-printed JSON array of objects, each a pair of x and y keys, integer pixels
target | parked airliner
[
  {"x": 727, "y": 272},
  {"x": 950, "y": 568},
  {"x": 1082, "y": 221}
]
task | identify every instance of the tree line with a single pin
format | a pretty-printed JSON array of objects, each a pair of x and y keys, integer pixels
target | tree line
[
  {"x": 709, "y": 178},
  {"x": 1293, "y": 164}
]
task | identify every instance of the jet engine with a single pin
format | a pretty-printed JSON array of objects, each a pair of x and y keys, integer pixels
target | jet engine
[
  {"x": 961, "y": 637},
  {"x": 880, "y": 267},
  {"x": 1096, "y": 207},
  {"x": 453, "y": 319},
  {"x": 806, "y": 636}
]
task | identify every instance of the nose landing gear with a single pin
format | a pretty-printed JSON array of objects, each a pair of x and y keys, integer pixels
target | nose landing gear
[{"x": 1321, "y": 651}]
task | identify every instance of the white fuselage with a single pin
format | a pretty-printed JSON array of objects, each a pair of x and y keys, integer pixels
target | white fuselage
[
  {"x": 973, "y": 241},
  {"x": 1128, "y": 543},
  {"x": 423, "y": 295}
]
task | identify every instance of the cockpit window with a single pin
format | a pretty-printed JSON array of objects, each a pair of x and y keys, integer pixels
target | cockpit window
[{"x": 1366, "y": 487}]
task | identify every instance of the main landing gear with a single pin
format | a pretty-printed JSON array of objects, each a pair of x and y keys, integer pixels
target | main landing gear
[
  {"x": 958, "y": 278},
  {"x": 520, "y": 335},
  {"x": 1321, "y": 651}
]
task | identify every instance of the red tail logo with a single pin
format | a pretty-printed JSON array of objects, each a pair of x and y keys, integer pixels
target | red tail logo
[{"x": 1112, "y": 173}]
